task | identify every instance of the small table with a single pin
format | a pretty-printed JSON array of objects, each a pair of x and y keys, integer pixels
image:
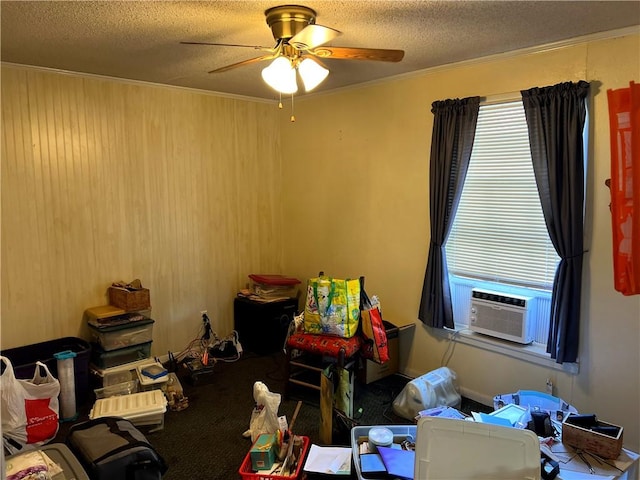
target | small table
[{"x": 575, "y": 469}]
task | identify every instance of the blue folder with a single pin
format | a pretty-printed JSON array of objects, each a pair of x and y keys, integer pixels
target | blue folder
[{"x": 399, "y": 463}]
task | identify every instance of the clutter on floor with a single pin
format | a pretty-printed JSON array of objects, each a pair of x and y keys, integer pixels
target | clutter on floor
[
  {"x": 30, "y": 408},
  {"x": 131, "y": 384},
  {"x": 528, "y": 434},
  {"x": 200, "y": 356},
  {"x": 52, "y": 461},
  {"x": 434, "y": 389},
  {"x": 108, "y": 447},
  {"x": 276, "y": 452},
  {"x": 264, "y": 416}
]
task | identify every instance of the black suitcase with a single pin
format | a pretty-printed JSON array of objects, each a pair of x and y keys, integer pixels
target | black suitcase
[{"x": 113, "y": 448}]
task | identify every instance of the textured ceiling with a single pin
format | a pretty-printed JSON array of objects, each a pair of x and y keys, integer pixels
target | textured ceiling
[{"x": 139, "y": 40}]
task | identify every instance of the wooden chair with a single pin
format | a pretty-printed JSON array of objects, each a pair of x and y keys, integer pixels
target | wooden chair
[{"x": 309, "y": 355}]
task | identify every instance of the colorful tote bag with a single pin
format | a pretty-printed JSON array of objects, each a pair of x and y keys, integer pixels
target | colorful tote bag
[{"x": 332, "y": 306}]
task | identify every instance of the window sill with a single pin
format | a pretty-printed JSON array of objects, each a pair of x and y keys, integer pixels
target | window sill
[{"x": 531, "y": 353}]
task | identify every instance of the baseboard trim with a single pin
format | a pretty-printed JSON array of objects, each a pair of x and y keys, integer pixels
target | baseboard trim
[{"x": 476, "y": 396}]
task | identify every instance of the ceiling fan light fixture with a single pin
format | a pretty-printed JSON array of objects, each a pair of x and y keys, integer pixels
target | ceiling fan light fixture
[
  {"x": 281, "y": 76},
  {"x": 312, "y": 73}
]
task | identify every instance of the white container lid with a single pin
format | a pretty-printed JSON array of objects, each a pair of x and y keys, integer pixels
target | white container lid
[
  {"x": 380, "y": 436},
  {"x": 489, "y": 451},
  {"x": 145, "y": 380},
  {"x": 130, "y": 406}
]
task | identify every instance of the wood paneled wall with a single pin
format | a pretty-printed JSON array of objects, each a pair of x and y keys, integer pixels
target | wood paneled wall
[{"x": 106, "y": 180}]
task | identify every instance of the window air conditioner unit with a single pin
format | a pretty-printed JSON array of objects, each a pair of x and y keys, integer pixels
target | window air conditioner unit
[{"x": 504, "y": 316}]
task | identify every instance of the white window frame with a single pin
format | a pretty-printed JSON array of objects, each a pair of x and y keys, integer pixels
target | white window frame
[{"x": 535, "y": 352}]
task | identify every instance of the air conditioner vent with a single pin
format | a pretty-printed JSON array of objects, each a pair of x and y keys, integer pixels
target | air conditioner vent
[{"x": 499, "y": 298}]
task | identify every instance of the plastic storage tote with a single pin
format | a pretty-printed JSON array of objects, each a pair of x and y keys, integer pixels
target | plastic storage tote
[
  {"x": 107, "y": 359},
  {"x": 505, "y": 453},
  {"x": 113, "y": 337},
  {"x": 143, "y": 408}
]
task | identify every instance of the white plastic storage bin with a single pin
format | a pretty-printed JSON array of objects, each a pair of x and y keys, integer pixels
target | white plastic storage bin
[
  {"x": 121, "y": 335},
  {"x": 360, "y": 435},
  {"x": 144, "y": 408},
  {"x": 446, "y": 448},
  {"x": 124, "y": 388}
]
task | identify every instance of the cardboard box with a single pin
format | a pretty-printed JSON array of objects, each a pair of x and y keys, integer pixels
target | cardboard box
[
  {"x": 373, "y": 371},
  {"x": 130, "y": 300},
  {"x": 604, "y": 445},
  {"x": 263, "y": 452}
]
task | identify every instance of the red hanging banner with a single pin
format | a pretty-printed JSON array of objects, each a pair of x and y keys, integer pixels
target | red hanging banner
[{"x": 624, "y": 129}]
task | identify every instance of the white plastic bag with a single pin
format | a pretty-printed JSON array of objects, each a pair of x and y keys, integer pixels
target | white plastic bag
[
  {"x": 434, "y": 389},
  {"x": 264, "y": 417},
  {"x": 29, "y": 408}
]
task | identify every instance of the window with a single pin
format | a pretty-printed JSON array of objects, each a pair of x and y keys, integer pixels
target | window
[{"x": 499, "y": 240}]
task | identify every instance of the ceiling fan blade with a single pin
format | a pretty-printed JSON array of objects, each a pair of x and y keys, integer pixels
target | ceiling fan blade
[
  {"x": 255, "y": 47},
  {"x": 242, "y": 63},
  {"x": 352, "y": 53},
  {"x": 313, "y": 36}
]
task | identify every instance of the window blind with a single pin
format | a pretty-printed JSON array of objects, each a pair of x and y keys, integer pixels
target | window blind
[{"x": 499, "y": 233}]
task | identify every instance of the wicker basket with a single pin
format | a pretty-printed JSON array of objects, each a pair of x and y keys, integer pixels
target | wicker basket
[
  {"x": 605, "y": 446},
  {"x": 130, "y": 300}
]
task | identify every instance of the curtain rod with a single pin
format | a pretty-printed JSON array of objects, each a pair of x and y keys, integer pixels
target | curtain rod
[{"x": 500, "y": 98}]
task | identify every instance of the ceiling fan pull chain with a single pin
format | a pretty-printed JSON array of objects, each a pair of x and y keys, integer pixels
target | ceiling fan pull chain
[
  {"x": 280, "y": 101},
  {"x": 293, "y": 117}
]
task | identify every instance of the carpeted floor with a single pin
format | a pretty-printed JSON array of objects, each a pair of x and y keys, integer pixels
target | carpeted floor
[{"x": 205, "y": 442}]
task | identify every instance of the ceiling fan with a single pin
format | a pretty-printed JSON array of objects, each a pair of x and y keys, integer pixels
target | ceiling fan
[{"x": 300, "y": 44}]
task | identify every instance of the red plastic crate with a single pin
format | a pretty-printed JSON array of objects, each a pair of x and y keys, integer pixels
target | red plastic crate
[{"x": 248, "y": 474}]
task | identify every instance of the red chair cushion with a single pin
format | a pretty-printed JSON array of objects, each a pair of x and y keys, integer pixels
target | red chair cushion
[{"x": 325, "y": 344}]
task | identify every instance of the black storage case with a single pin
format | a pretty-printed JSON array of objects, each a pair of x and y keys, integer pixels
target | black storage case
[
  {"x": 24, "y": 361},
  {"x": 113, "y": 448},
  {"x": 262, "y": 326}
]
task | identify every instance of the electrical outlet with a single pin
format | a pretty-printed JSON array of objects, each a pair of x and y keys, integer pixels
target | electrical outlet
[{"x": 549, "y": 386}]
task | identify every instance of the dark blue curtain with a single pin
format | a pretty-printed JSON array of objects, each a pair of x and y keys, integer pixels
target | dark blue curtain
[
  {"x": 556, "y": 118},
  {"x": 454, "y": 129}
]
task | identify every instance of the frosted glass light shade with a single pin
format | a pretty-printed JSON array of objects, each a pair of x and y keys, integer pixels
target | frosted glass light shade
[
  {"x": 312, "y": 73},
  {"x": 281, "y": 76}
]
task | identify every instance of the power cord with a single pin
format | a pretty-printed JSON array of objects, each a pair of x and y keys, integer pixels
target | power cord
[
  {"x": 448, "y": 353},
  {"x": 208, "y": 348},
  {"x": 227, "y": 349},
  {"x": 198, "y": 346}
]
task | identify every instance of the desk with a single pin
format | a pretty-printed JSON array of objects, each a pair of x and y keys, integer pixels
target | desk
[{"x": 575, "y": 469}]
